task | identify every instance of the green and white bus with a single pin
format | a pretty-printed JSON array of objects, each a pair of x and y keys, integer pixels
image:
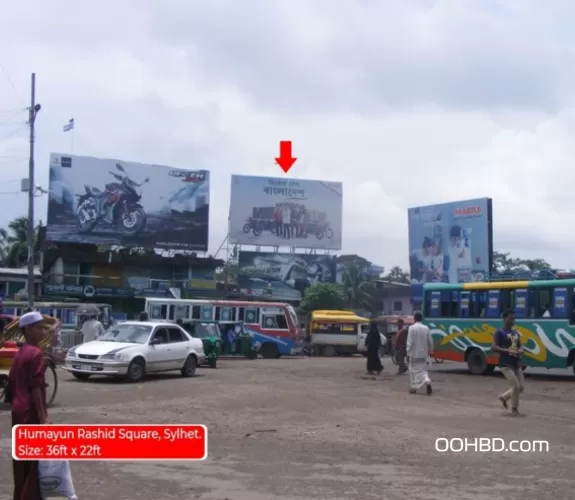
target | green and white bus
[{"x": 463, "y": 318}]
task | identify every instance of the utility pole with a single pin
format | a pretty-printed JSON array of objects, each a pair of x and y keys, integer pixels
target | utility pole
[{"x": 33, "y": 111}]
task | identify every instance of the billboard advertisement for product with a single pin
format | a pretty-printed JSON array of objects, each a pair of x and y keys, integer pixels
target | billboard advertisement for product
[
  {"x": 451, "y": 242},
  {"x": 285, "y": 212},
  {"x": 114, "y": 202},
  {"x": 282, "y": 276}
]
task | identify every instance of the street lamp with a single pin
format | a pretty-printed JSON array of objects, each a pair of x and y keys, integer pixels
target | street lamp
[{"x": 33, "y": 112}]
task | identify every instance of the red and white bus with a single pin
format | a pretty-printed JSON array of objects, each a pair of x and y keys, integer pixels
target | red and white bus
[{"x": 273, "y": 325}]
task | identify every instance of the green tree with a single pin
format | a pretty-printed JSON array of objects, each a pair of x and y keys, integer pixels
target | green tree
[
  {"x": 504, "y": 263},
  {"x": 323, "y": 296},
  {"x": 228, "y": 273},
  {"x": 14, "y": 243},
  {"x": 359, "y": 289},
  {"x": 397, "y": 275}
]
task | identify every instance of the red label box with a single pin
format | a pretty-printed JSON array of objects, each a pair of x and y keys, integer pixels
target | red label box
[{"x": 110, "y": 442}]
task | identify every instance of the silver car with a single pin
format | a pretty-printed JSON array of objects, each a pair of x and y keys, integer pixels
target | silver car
[{"x": 134, "y": 348}]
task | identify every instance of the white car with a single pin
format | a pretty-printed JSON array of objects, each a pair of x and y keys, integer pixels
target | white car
[{"x": 134, "y": 348}]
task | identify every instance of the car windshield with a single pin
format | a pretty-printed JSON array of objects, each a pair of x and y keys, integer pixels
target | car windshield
[
  {"x": 134, "y": 334},
  {"x": 204, "y": 330}
]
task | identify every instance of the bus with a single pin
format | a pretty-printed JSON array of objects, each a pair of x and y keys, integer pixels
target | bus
[
  {"x": 65, "y": 311},
  {"x": 463, "y": 318},
  {"x": 273, "y": 325}
]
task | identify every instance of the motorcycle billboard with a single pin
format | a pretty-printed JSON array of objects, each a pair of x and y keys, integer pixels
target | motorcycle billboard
[
  {"x": 285, "y": 212},
  {"x": 282, "y": 276},
  {"x": 115, "y": 202}
]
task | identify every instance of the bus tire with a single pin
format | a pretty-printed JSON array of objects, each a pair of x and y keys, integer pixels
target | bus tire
[
  {"x": 269, "y": 351},
  {"x": 477, "y": 361}
]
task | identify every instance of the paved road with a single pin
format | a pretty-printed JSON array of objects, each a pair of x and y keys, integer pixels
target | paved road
[{"x": 316, "y": 428}]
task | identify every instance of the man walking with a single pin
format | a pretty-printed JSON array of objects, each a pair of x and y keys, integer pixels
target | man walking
[
  {"x": 400, "y": 345},
  {"x": 418, "y": 349},
  {"x": 507, "y": 343}
]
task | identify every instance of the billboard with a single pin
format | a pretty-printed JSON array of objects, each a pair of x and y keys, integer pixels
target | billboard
[
  {"x": 451, "y": 242},
  {"x": 282, "y": 276},
  {"x": 285, "y": 212},
  {"x": 114, "y": 202}
]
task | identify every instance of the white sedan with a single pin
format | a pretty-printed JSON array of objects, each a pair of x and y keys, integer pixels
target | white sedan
[{"x": 134, "y": 348}]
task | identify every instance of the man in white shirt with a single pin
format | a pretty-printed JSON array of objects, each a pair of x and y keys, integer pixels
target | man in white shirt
[
  {"x": 286, "y": 216},
  {"x": 418, "y": 350},
  {"x": 92, "y": 329}
]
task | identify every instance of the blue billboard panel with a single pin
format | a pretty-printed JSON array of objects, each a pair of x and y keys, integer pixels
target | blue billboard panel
[{"x": 451, "y": 242}]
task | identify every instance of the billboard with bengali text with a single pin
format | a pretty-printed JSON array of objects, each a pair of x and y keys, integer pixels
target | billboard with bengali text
[
  {"x": 282, "y": 276},
  {"x": 285, "y": 212},
  {"x": 451, "y": 242},
  {"x": 116, "y": 202}
]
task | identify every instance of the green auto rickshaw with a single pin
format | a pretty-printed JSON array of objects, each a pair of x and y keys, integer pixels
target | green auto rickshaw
[{"x": 209, "y": 332}]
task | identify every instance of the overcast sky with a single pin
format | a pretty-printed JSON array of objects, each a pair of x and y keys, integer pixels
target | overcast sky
[{"x": 407, "y": 102}]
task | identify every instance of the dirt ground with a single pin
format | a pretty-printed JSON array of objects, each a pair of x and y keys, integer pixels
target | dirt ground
[{"x": 313, "y": 428}]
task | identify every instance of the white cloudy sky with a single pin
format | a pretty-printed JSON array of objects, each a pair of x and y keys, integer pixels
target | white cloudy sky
[{"x": 408, "y": 102}]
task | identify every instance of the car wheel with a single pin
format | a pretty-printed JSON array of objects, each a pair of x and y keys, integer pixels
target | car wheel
[
  {"x": 136, "y": 370},
  {"x": 189, "y": 369},
  {"x": 81, "y": 376}
]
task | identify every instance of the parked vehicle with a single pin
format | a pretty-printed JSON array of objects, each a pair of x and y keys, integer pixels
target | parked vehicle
[
  {"x": 338, "y": 332},
  {"x": 209, "y": 333},
  {"x": 133, "y": 349},
  {"x": 273, "y": 326},
  {"x": 118, "y": 206}
]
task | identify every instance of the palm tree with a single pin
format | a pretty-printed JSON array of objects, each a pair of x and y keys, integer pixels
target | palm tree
[
  {"x": 14, "y": 242},
  {"x": 3, "y": 245},
  {"x": 359, "y": 289},
  {"x": 16, "y": 254}
]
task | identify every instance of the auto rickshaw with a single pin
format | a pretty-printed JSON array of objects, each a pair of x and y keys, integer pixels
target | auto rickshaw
[
  {"x": 209, "y": 333},
  {"x": 10, "y": 341}
]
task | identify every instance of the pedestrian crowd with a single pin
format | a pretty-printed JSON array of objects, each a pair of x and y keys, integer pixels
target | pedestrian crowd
[{"x": 414, "y": 348}]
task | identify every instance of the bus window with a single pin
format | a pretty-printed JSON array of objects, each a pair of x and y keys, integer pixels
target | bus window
[
  {"x": 207, "y": 313},
  {"x": 269, "y": 322},
  {"x": 463, "y": 304},
  {"x": 560, "y": 301},
  {"x": 543, "y": 299},
  {"x": 178, "y": 311},
  {"x": 217, "y": 313},
  {"x": 196, "y": 312},
  {"x": 477, "y": 305},
  {"x": 159, "y": 311},
  {"x": 252, "y": 316},
  {"x": 520, "y": 303},
  {"x": 493, "y": 304},
  {"x": 445, "y": 307},
  {"x": 274, "y": 322},
  {"x": 227, "y": 314},
  {"x": 506, "y": 299}
]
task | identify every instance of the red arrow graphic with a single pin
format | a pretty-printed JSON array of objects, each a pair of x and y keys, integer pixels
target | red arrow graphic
[{"x": 285, "y": 159}]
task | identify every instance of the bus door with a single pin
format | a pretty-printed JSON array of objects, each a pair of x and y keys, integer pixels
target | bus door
[
  {"x": 520, "y": 306},
  {"x": 560, "y": 303}
]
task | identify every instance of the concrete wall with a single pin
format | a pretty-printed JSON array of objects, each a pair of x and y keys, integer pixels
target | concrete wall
[{"x": 397, "y": 301}]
